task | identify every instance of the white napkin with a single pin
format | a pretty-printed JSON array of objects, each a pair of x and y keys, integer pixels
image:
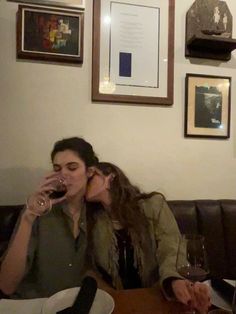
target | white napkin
[
  {"x": 216, "y": 298},
  {"x": 31, "y": 306}
]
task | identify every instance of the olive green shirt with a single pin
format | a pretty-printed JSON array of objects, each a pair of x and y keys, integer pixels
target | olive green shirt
[{"x": 56, "y": 260}]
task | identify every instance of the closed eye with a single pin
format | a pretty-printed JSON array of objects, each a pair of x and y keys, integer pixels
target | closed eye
[
  {"x": 56, "y": 168},
  {"x": 72, "y": 166}
]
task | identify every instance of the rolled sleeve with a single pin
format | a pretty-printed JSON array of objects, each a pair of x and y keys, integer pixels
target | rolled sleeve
[{"x": 167, "y": 236}]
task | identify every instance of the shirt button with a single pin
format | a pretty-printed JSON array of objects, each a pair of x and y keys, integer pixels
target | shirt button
[
  {"x": 70, "y": 265},
  {"x": 82, "y": 223}
]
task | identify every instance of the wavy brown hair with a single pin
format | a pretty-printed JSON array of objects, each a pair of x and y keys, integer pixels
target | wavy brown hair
[{"x": 125, "y": 199}]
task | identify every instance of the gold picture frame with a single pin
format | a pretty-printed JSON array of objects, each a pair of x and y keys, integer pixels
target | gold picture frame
[{"x": 207, "y": 106}]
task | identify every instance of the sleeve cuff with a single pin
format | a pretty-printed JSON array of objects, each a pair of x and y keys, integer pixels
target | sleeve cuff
[{"x": 167, "y": 288}]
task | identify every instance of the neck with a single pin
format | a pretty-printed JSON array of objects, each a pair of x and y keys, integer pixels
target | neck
[
  {"x": 107, "y": 206},
  {"x": 106, "y": 200},
  {"x": 75, "y": 204},
  {"x": 108, "y": 209}
]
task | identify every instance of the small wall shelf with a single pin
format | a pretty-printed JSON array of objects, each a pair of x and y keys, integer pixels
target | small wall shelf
[{"x": 210, "y": 47}]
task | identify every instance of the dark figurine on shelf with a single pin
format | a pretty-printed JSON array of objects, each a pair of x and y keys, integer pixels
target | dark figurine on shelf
[
  {"x": 218, "y": 22},
  {"x": 211, "y": 17}
]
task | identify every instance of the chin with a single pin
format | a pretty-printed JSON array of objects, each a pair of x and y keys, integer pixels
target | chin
[{"x": 71, "y": 195}]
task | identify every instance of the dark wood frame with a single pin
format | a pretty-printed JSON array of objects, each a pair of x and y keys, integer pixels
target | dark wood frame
[
  {"x": 46, "y": 56},
  {"x": 98, "y": 96},
  {"x": 190, "y": 129},
  {"x": 53, "y": 3}
]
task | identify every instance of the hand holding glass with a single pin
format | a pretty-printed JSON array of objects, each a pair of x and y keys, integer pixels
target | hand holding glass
[
  {"x": 40, "y": 203},
  {"x": 191, "y": 262}
]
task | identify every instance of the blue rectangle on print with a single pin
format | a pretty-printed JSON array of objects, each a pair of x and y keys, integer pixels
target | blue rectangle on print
[{"x": 125, "y": 64}]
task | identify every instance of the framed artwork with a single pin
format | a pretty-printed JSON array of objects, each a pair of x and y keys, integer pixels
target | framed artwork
[
  {"x": 73, "y": 4},
  {"x": 133, "y": 51},
  {"x": 50, "y": 34},
  {"x": 207, "y": 106}
]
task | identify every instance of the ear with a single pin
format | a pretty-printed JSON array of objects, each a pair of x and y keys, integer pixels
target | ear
[
  {"x": 109, "y": 179},
  {"x": 90, "y": 171},
  {"x": 112, "y": 176}
]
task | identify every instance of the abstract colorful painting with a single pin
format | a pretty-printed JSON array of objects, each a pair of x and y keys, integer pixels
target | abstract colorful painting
[{"x": 48, "y": 34}]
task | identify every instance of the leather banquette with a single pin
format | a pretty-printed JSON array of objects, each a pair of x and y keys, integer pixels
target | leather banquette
[{"x": 215, "y": 219}]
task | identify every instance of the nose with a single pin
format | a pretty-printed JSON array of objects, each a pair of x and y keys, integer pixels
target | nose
[{"x": 64, "y": 173}]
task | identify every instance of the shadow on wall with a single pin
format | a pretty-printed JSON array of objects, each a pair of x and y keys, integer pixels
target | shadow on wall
[
  {"x": 225, "y": 64},
  {"x": 17, "y": 183}
]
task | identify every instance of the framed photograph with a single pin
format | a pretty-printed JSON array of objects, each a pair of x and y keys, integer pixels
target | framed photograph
[
  {"x": 50, "y": 35},
  {"x": 207, "y": 108},
  {"x": 133, "y": 51}
]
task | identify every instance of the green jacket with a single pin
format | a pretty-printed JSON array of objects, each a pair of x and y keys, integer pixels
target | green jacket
[{"x": 158, "y": 262}]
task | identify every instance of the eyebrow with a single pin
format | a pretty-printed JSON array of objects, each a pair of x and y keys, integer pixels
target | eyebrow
[{"x": 72, "y": 163}]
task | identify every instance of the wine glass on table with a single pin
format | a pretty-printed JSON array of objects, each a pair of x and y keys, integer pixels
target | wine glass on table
[{"x": 191, "y": 262}]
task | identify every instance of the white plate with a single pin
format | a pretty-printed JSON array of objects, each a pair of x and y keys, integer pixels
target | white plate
[
  {"x": 216, "y": 298},
  {"x": 32, "y": 306},
  {"x": 102, "y": 304}
]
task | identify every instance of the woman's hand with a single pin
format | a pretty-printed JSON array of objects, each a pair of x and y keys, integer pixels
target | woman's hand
[
  {"x": 39, "y": 202},
  {"x": 195, "y": 296}
]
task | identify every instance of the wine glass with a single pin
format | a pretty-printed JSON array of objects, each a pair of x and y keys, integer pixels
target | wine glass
[
  {"x": 41, "y": 203},
  {"x": 191, "y": 261},
  {"x": 59, "y": 188}
]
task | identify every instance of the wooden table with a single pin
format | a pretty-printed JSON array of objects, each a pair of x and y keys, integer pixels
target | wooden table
[{"x": 144, "y": 301}]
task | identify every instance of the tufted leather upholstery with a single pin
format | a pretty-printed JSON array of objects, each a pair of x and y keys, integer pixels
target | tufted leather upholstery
[{"x": 215, "y": 219}]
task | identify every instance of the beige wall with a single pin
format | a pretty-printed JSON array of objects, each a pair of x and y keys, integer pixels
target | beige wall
[{"x": 43, "y": 102}]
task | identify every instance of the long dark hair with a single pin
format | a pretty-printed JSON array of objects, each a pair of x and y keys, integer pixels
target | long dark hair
[{"x": 125, "y": 199}]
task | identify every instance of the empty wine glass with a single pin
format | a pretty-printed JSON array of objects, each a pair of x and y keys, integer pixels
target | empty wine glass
[{"x": 191, "y": 261}]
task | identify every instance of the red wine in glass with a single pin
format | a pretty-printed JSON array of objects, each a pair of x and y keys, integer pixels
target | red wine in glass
[
  {"x": 193, "y": 273},
  {"x": 191, "y": 261},
  {"x": 41, "y": 204},
  {"x": 59, "y": 190},
  {"x": 57, "y": 194}
]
